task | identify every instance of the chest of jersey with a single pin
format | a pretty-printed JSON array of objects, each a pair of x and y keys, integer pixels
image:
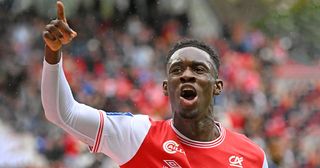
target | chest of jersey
[{"x": 163, "y": 148}]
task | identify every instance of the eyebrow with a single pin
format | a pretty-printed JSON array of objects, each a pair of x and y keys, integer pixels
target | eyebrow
[
  {"x": 175, "y": 63},
  {"x": 193, "y": 63},
  {"x": 179, "y": 61}
]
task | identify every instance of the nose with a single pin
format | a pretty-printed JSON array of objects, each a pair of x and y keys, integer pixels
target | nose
[{"x": 187, "y": 76}]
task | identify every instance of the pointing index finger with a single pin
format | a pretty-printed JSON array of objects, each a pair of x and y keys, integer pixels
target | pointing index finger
[{"x": 60, "y": 11}]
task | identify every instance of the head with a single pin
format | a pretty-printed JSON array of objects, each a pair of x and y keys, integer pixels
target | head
[{"x": 192, "y": 79}]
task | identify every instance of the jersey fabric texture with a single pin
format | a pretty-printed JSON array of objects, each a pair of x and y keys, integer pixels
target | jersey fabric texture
[
  {"x": 135, "y": 140},
  {"x": 164, "y": 146}
]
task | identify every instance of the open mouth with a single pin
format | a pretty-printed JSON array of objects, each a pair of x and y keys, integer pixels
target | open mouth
[
  {"x": 188, "y": 93},
  {"x": 188, "y": 96}
]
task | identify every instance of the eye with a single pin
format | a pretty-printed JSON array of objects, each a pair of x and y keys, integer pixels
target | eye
[
  {"x": 176, "y": 70},
  {"x": 200, "y": 69}
]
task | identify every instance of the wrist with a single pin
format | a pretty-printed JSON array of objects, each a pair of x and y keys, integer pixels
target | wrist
[{"x": 52, "y": 57}]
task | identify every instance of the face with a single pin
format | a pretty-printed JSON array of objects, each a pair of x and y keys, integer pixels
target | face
[{"x": 191, "y": 82}]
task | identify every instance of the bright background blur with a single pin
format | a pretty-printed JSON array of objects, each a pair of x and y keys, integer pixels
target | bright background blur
[{"x": 270, "y": 56}]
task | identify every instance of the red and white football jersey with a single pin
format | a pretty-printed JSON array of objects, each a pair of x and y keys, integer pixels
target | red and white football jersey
[{"x": 136, "y": 141}]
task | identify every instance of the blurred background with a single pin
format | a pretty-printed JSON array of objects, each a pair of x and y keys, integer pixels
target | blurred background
[{"x": 270, "y": 56}]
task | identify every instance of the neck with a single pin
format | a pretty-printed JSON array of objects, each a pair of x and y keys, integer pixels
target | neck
[{"x": 203, "y": 129}]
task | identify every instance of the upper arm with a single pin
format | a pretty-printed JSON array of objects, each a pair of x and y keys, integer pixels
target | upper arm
[{"x": 122, "y": 135}]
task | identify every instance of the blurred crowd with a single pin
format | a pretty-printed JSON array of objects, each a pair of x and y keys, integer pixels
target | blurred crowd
[{"x": 117, "y": 64}]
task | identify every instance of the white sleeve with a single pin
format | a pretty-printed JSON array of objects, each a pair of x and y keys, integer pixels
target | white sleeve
[
  {"x": 123, "y": 135},
  {"x": 118, "y": 135},
  {"x": 60, "y": 107}
]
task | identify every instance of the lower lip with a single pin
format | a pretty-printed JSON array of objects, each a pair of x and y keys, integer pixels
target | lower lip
[{"x": 186, "y": 102}]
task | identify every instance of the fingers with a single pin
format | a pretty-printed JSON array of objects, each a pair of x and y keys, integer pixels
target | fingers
[
  {"x": 64, "y": 28},
  {"x": 60, "y": 31},
  {"x": 54, "y": 31},
  {"x": 60, "y": 12},
  {"x": 61, "y": 15},
  {"x": 47, "y": 35},
  {"x": 51, "y": 41}
]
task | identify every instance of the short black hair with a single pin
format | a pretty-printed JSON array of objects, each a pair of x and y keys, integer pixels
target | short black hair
[{"x": 198, "y": 44}]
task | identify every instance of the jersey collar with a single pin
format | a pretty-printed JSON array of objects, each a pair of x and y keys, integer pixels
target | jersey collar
[{"x": 201, "y": 144}]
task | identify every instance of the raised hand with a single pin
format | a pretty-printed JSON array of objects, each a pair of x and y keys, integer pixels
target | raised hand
[{"x": 58, "y": 32}]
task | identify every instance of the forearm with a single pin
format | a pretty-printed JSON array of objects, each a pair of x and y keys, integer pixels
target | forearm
[{"x": 60, "y": 107}]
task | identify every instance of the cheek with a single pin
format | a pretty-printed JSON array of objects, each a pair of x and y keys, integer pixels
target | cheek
[
  {"x": 207, "y": 87},
  {"x": 207, "y": 83},
  {"x": 208, "y": 93},
  {"x": 172, "y": 86}
]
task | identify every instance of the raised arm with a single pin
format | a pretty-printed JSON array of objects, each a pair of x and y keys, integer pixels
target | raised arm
[
  {"x": 104, "y": 132},
  {"x": 59, "y": 105}
]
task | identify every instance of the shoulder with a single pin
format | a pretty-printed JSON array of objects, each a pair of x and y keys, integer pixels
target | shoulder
[
  {"x": 244, "y": 144},
  {"x": 240, "y": 138},
  {"x": 121, "y": 121},
  {"x": 160, "y": 124},
  {"x": 126, "y": 123},
  {"x": 160, "y": 128},
  {"x": 126, "y": 116}
]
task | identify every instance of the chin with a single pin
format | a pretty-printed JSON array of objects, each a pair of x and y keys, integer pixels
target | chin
[{"x": 188, "y": 114}]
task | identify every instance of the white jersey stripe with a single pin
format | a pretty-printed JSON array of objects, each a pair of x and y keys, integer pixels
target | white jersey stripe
[
  {"x": 185, "y": 140},
  {"x": 202, "y": 145}
]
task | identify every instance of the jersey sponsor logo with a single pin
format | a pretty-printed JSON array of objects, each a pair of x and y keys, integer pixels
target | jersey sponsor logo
[
  {"x": 119, "y": 114},
  {"x": 172, "y": 147},
  {"x": 171, "y": 164},
  {"x": 235, "y": 161}
]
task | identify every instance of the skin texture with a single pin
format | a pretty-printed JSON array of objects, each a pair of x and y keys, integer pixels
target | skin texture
[
  {"x": 193, "y": 67},
  {"x": 56, "y": 34}
]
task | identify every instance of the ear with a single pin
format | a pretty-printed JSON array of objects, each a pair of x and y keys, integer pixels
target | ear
[
  {"x": 218, "y": 87},
  {"x": 165, "y": 87}
]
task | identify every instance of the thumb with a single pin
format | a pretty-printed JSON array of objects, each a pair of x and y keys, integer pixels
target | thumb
[{"x": 60, "y": 12}]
